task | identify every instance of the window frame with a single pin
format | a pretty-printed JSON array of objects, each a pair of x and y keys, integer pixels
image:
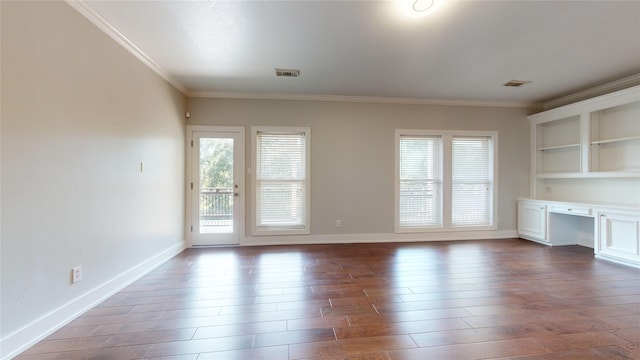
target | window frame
[
  {"x": 280, "y": 230},
  {"x": 446, "y": 165}
]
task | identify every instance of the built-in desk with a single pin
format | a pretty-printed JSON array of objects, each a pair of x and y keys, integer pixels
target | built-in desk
[{"x": 613, "y": 231}]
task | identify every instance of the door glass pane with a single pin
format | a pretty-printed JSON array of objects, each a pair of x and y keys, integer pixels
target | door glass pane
[{"x": 216, "y": 185}]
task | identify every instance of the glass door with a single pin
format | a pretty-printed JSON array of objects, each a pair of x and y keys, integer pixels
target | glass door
[{"x": 216, "y": 185}]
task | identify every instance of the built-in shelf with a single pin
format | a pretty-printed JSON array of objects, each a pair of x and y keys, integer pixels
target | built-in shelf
[
  {"x": 629, "y": 138},
  {"x": 594, "y": 138},
  {"x": 627, "y": 173},
  {"x": 589, "y": 153},
  {"x": 557, "y": 147}
]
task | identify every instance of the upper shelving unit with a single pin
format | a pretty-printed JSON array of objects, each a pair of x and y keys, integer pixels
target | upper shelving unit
[
  {"x": 599, "y": 137},
  {"x": 629, "y": 138},
  {"x": 558, "y": 146},
  {"x": 615, "y": 138}
]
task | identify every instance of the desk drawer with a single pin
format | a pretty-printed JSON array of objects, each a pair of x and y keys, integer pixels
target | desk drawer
[{"x": 571, "y": 210}]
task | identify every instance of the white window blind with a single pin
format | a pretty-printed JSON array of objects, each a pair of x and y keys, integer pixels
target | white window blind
[
  {"x": 471, "y": 181},
  {"x": 420, "y": 181},
  {"x": 281, "y": 190}
]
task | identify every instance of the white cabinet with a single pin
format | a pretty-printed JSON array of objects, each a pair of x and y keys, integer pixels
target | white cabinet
[
  {"x": 613, "y": 231},
  {"x": 556, "y": 223},
  {"x": 532, "y": 220},
  {"x": 570, "y": 209},
  {"x": 619, "y": 236},
  {"x": 585, "y": 177}
]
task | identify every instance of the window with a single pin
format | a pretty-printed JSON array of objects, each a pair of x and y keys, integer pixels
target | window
[
  {"x": 471, "y": 181},
  {"x": 420, "y": 181},
  {"x": 281, "y": 182},
  {"x": 444, "y": 180}
]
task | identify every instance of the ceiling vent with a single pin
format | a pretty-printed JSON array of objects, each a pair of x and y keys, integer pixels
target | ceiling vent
[
  {"x": 516, "y": 83},
  {"x": 287, "y": 72}
]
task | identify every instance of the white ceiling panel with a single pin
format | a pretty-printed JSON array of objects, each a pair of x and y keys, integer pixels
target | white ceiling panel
[{"x": 464, "y": 51}]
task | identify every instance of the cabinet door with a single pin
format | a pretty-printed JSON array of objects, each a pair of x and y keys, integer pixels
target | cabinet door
[
  {"x": 619, "y": 235},
  {"x": 532, "y": 220}
]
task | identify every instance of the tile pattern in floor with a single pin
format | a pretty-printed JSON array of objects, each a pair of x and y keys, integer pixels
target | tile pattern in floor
[{"x": 492, "y": 299}]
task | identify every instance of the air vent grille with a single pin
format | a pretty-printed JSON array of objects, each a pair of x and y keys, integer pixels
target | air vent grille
[
  {"x": 287, "y": 72},
  {"x": 516, "y": 83}
]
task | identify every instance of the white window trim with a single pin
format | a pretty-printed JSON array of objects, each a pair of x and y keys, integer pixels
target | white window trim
[
  {"x": 262, "y": 231},
  {"x": 445, "y": 164}
]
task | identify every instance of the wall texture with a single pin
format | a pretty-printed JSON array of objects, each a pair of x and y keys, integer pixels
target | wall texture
[
  {"x": 79, "y": 116},
  {"x": 352, "y": 155}
]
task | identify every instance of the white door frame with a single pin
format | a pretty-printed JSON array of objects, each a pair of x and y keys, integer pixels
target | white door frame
[{"x": 193, "y": 181}]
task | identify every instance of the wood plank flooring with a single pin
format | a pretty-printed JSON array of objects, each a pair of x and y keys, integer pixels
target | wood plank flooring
[{"x": 494, "y": 299}]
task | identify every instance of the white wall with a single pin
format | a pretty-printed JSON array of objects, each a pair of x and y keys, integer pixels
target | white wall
[
  {"x": 352, "y": 156},
  {"x": 79, "y": 115},
  {"x": 623, "y": 191}
]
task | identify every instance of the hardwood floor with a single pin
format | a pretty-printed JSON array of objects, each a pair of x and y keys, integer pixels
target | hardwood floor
[{"x": 498, "y": 299}]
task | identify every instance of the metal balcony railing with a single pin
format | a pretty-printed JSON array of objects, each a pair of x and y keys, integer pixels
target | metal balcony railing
[{"x": 216, "y": 203}]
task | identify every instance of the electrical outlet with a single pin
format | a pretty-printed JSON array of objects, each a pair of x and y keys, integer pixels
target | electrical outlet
[
  {"x": 338, "y": 223},
  {"x": 76, "y": 274}
]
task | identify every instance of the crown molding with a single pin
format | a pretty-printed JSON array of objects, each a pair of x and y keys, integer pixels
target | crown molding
[
  {"x": 603, "y": 89},
  {"x": 85, "y": 10},
  {"x": 361, "y": 99},
  {"x": 608, "y": 100}
]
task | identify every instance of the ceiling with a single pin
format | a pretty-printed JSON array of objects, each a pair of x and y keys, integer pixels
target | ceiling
[{"x": 465, "y": 51}]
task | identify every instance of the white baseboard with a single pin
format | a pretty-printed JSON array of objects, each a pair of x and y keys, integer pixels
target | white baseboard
[
  {"x": 618, "y": 260},
  {"x": 377, "y": 238},
  {"x": 526, "y": 237},
  {"x": 20, "y": 340}
]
